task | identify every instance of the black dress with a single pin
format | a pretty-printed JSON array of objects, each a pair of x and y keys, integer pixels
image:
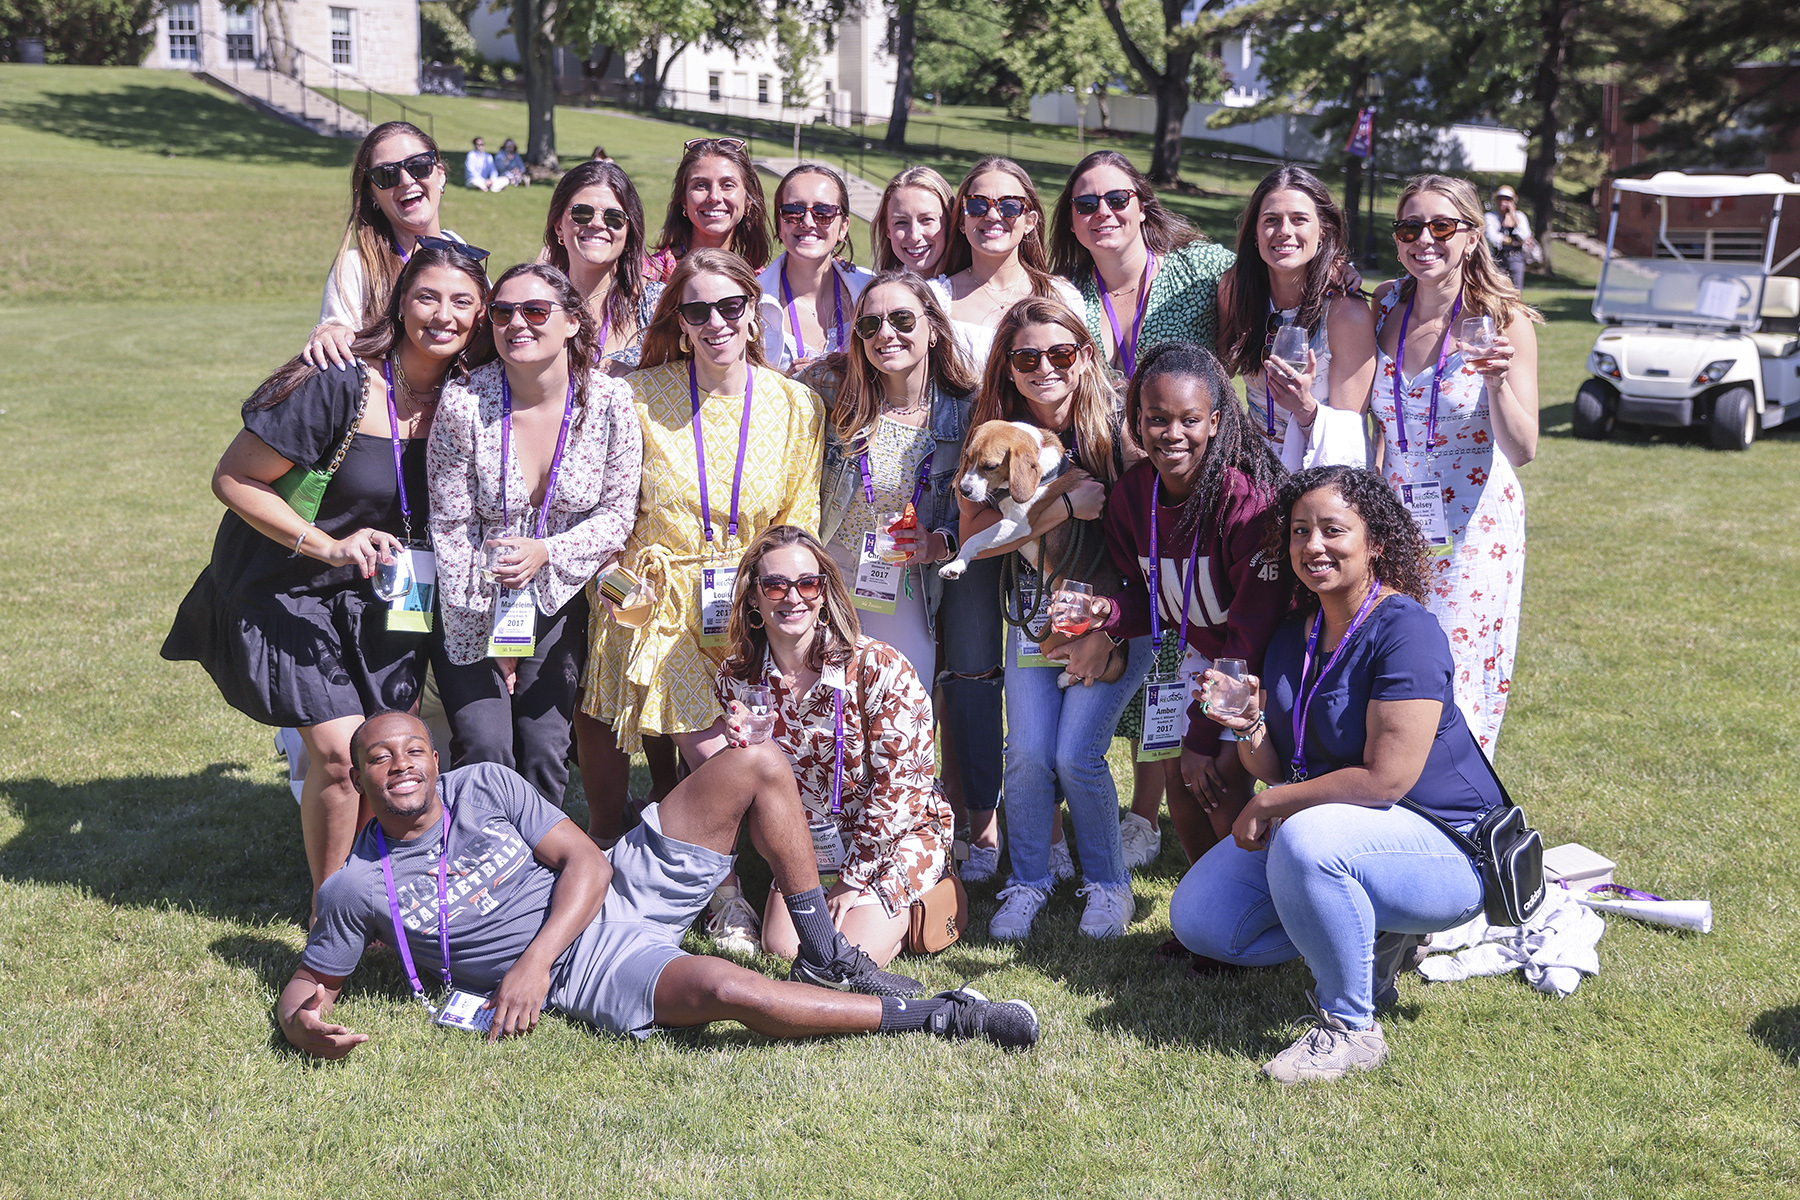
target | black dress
[{"x": 289, "y": 640}]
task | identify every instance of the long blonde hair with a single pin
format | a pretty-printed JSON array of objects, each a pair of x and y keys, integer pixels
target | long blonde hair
[
  {"x": 838, "y": 628},
  {"x": 662, "y": 338},
  {"x": 857, "y": 404},
  {"x": 926, "y": 180},
  {"x": 1095, "y": 407},
  {"x": 1487, "y": 290}
]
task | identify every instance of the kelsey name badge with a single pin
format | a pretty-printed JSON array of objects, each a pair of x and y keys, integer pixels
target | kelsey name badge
[
  {"x": 877, "y": 582},
  {"x": 718, "y": 585},
  {"x": 411, "y": 613},
  {"x": 514, "y": 634},
  {"x": 1029, "y": 654},
  {"x": 1425, "y": 501}
]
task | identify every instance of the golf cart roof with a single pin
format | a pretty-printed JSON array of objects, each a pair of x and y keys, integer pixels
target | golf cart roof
[{"x": 1680, "y": 183}]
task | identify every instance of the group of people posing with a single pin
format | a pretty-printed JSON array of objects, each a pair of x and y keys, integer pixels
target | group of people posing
[{"x": 697, "y": 498}]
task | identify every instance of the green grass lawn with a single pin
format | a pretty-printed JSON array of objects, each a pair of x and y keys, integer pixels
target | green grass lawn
[{"x": 163, "y": 249}]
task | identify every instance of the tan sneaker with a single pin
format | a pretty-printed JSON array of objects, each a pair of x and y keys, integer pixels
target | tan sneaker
[{"x": 1329, "y": 1050}]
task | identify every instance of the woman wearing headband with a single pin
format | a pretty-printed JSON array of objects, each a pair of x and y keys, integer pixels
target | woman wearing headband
[
  {"x": 809, "y": 291},
  {"x": 717, "y": 203},
  {"x": 594, "y": 234},
  {"x": 912, "y": 223}
]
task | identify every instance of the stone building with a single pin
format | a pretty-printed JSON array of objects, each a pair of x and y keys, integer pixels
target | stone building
[{"x": 351, "y": 44}]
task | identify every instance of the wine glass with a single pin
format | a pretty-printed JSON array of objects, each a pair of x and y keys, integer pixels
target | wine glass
[
  {"x": 1477, "y": 336},
  {"x": 760, "y": 720},
  {"x": 1291, "y": 346},
  {"x": 1072, "y": 609},
  {"x": 887, "y": 548},
  {"x": 1230, "y": 695},
  {"x": 495, "y": 555},
  {"x": 393, "y": 575}
]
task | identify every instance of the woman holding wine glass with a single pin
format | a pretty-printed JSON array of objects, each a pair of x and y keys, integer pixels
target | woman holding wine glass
[
  {"x": 594, "y": 234},
  {"x": 716, "y": 203},
  {"x": 808, "y": 292}
]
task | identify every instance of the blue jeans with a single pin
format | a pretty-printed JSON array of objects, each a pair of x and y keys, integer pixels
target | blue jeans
[
  {"x": 969, "y": 617},
  {"x": 1061, "y": 736},
  {"x": 1332, "y": 877}
]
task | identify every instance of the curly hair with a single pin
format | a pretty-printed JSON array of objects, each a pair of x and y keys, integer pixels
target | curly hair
[
  {"x": 1397, "y": 548},
  {"x": 838, "y": 627}
]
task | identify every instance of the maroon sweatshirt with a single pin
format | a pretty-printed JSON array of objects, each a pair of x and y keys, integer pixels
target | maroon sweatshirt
[{"x": 1238, "y": 598}]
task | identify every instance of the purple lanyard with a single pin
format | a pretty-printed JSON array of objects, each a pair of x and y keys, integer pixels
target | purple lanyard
[
  {"x": 1437, "y": 377},
  {"x": 600, "y": 346},
  {"x": 403, "y": 255},
  {"x": 1187, "y": 585},
  {"x": 1128, "y": 351},
  {"x": 387, "y": 373},
  {"x": 562, "y": 440},
  {"x": 868, "y": 480},
  {"x": 443, "y": 906},
  {"x": 837, "y": 770},
  {"x": 787, "y": 298},
  {"x": 1298, "y": 762},
  {"x": 737, "y": 475},
  {"x": 1268, "y": 349}
]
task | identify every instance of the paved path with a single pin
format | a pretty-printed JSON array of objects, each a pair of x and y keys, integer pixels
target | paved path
[{"x": 865, "y": 197}]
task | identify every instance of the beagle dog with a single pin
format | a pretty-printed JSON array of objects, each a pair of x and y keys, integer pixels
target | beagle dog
[{"x": 1018, "y": 468}]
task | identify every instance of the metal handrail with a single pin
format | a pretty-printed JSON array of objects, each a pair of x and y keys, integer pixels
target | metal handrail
[{"x": 265, "y": 62}]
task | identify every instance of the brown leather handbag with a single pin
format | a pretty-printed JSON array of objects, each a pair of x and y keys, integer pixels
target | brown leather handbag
[{"x": 938, "y": 917}]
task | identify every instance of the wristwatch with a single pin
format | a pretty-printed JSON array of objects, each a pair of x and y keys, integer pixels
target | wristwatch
[{"x": 951, "y": 545}]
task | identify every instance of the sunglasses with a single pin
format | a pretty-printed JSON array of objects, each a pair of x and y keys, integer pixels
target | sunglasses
[
  {"x": 584, "y": 214},
  {"x": 1117, "y": 200},
  {"x": 699, "y": 312},
  {"x": 904, "y": 320},
  {"x": 824, "y": 214},
  {"x": 386, "y": 175},
  {"x": 535, "y": 312},
  {"x": 1010, "y": 208},
  {"x": 776, "y": 587},
  {"x": 1062, "y": 357},
  {"x": 1442, "y": 228},
  {"x": 739, "y": 143},
  {"x": 463, "y": 248}
]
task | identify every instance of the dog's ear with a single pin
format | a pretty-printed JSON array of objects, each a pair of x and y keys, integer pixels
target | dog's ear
[{"x": 1022, "y": 474}]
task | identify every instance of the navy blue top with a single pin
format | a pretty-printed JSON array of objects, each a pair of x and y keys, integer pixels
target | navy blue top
[{"x": 1400, "y": 653}]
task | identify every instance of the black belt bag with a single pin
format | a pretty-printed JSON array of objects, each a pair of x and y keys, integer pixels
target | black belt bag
[{"x": 1508, "y": 853}]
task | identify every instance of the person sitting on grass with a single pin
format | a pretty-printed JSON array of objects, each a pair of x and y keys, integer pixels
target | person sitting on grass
[
  {"x": 484, "y": 883},
  {"x": 479, "y": 171},
  {"x": 510, "y": 165}
]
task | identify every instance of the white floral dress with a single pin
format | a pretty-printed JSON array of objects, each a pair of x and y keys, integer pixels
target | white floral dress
[{"x": 1475, "y": 591}]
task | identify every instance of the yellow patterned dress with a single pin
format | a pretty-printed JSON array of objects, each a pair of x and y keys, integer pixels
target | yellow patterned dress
[{"x": 659, "y": 679}]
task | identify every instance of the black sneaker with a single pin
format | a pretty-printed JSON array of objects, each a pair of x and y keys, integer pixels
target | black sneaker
[
  {"x": 854, "y": 971},
  {"x": 966, "y": 1013},
  {"x": 1395, "y": 954}
]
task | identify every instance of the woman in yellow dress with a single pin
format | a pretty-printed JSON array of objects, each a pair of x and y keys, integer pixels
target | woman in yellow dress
[{"x": 703, "y": 382}]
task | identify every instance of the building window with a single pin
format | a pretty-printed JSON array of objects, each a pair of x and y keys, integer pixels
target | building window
[
  {"x": 240, "y": 36},
  {"x": 762, "y": 89},
  {"x": 713, "y": 81},
  {"x": 340, "y": 37},
  {"x": 184, "y": 32}
]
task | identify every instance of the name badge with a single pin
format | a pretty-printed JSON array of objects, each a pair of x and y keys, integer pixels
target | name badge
[
  {"x": 411, "y": 613},
  {"x": 514, "y": 634},
  {"x": 462, "y": 1010},
  {"x": 1425, "y": 501},
  {"x": 828, "y": 844},
  {"x": 877, "y": 582},
  {"x": 1030, "y": 636},
  {"x": 1166, "y": 701},
  {"x": 718, "y": 585}
]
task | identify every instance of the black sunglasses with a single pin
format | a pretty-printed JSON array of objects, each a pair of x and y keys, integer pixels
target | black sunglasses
[
  {"x": 583, "y": 214},
  {"x": 776, "y": 587},
  {"x": 1117, "y": 200},
  {"x": 1061, "y": 356},
  {"x": 1442, "y": 228},
  {"x": 1010, "y": 208},
  {"x": 386, "y": 175},
  {"x": 535, "y": 312},
  {"x": 904, "y": 320},
  {"x": 463, "y": 248},
  {"x": 824, "y": 214},
  {"x": 699, "y": 312}
]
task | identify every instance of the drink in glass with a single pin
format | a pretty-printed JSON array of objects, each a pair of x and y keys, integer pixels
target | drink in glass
[
  {"x": 1290, "y": 347},
  {"x": 1071, "y": 609},
  {"x": 759, "y": 721},
  {"x": 393, "y": 575},
  {"x": 1478, "y": 336},
  {"x": 495, "y": 555},
  {"x": 1230, "y": 695},
  {"x": 887, "y": 548}
]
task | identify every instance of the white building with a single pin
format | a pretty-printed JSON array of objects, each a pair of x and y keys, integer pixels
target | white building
[{"x": 352, "y": 44}]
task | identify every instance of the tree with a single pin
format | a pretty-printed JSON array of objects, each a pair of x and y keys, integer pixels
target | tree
[
  {"x": 1165, "y": 58},
  {"x": 95, "y": 33},
  {"x": 903, "y": 44},
  {"x": 1070, "y": 45},
  {"x": 958, "y": 57},
  {"x": 796, "y": 57}
]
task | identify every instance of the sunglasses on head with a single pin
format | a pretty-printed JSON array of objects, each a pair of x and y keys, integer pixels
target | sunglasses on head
[
  {"x": 386, "y": 175},
  {"x": 1061, "y": 356},
  {"x": 699, "y": 312},
  {"x": 776, "y": 587},
  {"x": 463, "y": 248},
  {"x": 535, "y": 312},
  {"x": 1442, "y": 228},
  {"x": 1010, "y": 208},
  {"x": 1116, "y": 200},
  {"x": 739, "y": 143},
  {"x": 824, "y": 214},
  {"x": 904, "y": 320},
  {"x": 584, "y": 214}
]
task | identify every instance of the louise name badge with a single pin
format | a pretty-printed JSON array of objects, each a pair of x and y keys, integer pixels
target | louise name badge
[
  {"x": 1425, "y": 501},
  {"x": 877, "y": 582},
  {"x": 410, "y": 612},
  {"x": 514, "y": 634},
  {"x": 718, "y": 586},
  {"x": 828, "y": 844}
]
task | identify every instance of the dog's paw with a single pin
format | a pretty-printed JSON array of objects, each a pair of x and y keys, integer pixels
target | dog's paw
[
  {"x": 1065, "y": 680},
  {"x": 953, "y": 569}
]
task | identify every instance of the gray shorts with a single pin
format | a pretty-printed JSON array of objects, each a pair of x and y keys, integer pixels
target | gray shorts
[{"x": 659, "y": 885}]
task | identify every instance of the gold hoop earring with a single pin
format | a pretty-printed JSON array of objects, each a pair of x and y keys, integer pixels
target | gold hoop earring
[
  {"x": 685, "y": 347},
  {"x": 754, "y": 617}
]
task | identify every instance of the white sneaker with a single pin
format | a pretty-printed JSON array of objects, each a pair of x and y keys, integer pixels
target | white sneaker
[
  {"x": 1019, "y": 906},
  {"x": 1109, "y": 909},
  {"x": 1061, "y": 865},
  {"x": 732, "y": 924},
  {"x": 981, "y": 865},
  {"x": 1143, "y": 841}
]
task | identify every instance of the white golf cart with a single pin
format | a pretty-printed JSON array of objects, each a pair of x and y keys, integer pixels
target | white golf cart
[{"x": 1693, "y": 338}]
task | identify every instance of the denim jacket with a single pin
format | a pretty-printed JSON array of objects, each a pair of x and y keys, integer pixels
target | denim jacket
[{"x": 842, "y": 475}]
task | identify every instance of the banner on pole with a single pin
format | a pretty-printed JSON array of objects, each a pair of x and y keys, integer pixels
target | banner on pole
[{"x": 1362, "y": 134}]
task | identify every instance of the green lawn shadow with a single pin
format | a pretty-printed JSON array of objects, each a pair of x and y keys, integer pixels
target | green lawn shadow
[{"x": 1779, "y": 1030}]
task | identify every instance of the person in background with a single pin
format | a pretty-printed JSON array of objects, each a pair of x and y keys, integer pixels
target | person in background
[
  {"x": 1354, "y": 711},
  {"x": 533, "y": 467},
  {"x": 809, "y": 291},
  {"x": 853, "y": 717},
  {"x": 1508, "y": 230},
  {"x": 480, "y": 171},
  {"x": 912, "y": 223},
  {"x": 716, "y": 203},
  {"x": 510, "y": 165},
  {"x": 594, "y": 233}
]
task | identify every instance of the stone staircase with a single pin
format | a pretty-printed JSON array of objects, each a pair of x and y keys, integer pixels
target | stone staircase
[{"x": 286, "y": 98}]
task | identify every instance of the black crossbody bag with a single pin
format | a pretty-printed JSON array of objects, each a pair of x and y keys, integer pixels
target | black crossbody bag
[{"x": 1507, "y": 851}]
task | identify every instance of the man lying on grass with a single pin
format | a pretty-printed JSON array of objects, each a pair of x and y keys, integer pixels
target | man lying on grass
[{"x": 526, "y": 909}]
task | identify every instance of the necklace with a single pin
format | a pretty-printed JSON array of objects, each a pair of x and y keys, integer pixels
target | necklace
[
  {"x": 415, "y": 397},
  {"x": 989, "y": 288}
]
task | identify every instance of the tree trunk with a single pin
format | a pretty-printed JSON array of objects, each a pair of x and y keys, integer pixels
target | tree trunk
[
  {"x": 905, "y": 42},
  {"x": 662, "y": 78},
  {"x": 278, "y": 35},
  {"x": 1171, "y": 111},
  {"x": 1539, "y": 183},
  {"x": 1105, "y": 113},
  {"x": 649, "y": 77},
  {"x": 533, "y": 22},
  {"x": 1353, "y": 166}
]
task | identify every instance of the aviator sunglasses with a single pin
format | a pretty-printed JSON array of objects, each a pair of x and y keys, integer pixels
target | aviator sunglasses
[
  {"x": 535, "y": 312},
  {"x": 386, "y": 175},
  {"x": 776, "y": 587},
  {"x": 699, "y": 312},
  {"x": 584, "y": 214},
  {"x": 904, "y": 320},
  {"x": 1117, "y": 200},
  {"x": 1442, "y": 228},
  {"x": 1010, "y": 208},
  {"x": 1061, "y": 356},
  {"x": 824, "y": 214}
]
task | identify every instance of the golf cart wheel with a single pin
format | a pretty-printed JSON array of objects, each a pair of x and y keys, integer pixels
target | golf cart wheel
[
  {"x": 1596, "y": 410},
  {"x": 1734, "y": 419}
]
